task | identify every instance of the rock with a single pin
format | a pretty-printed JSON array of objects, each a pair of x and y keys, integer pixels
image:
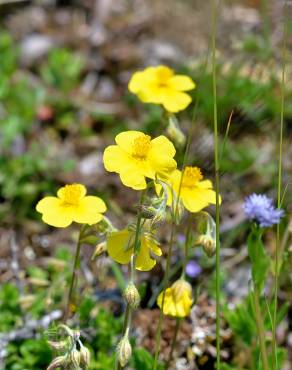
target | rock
[{"x": 34, "y": 47}]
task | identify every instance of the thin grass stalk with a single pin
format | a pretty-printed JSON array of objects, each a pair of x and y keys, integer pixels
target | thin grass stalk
[
  {"x": 216, "y": 160},
  {"x": 279, "y": 193}
]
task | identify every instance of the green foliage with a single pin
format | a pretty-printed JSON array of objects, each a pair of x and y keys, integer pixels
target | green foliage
[
  {"x": 241, "y": 321},
  {"x": 62, "y": 70},
  {"x": 9, "y": 307},
  {"x": 143, "y": 360},
  {"x": 8, "y": 53},
  {"x": 260, "y": 261},
  {"x": 30, "y": 354}
]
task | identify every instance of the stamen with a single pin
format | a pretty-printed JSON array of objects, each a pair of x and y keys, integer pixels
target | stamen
[
  {"x": 191, "y": 176},
  {"x": 141, "y": 146}
]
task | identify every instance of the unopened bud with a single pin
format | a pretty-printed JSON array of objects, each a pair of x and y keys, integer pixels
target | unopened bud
[
  {"x": 131, "y": 295},
  {"x": 124, "y": 351},
  {"x": 147, "y": 212},
  {"x": 57, "y": 362},
  {"x": 84, "y": 357},
  {"x": 99, "y": 249},
  {"x": 208, "y": 244},
  {"x": 75, "y": 358},
  {"x": 175, "y": 133}
]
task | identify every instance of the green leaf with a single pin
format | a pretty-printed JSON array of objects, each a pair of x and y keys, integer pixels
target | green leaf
[
  {"x": 260, "y": 261},
  {"x": 143, "y": 360}
]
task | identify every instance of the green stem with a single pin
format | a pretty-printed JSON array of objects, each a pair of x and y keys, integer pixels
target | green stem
[
  {"x": 173, "y": 343},
  {"x": 216, "y": 160},
  {"x": 261, "y": 330},
  {"x": 74, "y": 274},
  {"x": 128, "y": 313},
  {"x": 279, "y": 192},
  {"x": 165, "y": 283},
  {"x": 187, "y": 244}
]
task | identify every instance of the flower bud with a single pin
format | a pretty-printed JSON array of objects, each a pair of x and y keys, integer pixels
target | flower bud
[
  {"x": 208, "y": 244},
  {"x": 175, "y": 133},
  {"x": 59, "y": 361},
  {"x": 131, "y": 295},
  {"x": 147, "y": 212},
  {"x": 84, "y": 357},
  {"x": 75, "y": 358},
  {"x": 124, "y": 351},
  {"x": 99, "y": 249}
]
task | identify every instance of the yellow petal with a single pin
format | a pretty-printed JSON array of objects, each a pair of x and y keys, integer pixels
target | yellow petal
[
  {"x": 153, "y": 246},
  {"x": 169, "y": 307},
  {"x": 133, "y": 179},
  {"x": 89, "y": 210},
  {"x": 181, "y": 83},
  {"x": 114, "y": 158},
  {"x": 163, "y": 73},
  {"x": 126, "y": 139},
  {"x": 176, "y": 101},
  {"x": 120, "y": 246},
  {"x": 196, "y": 199},
  {"x": 48, "y": 203},
  {"x": 144, "y": 262},
  {"x": 161, "y": 145},
  {"x": 141, "y": 79},
  {"x": 77, "y": 190}
]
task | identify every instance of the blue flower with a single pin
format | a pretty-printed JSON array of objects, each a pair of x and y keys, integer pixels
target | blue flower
[
  {"x": 193, "y": 269},
  {"x": 260, "y": 208}
]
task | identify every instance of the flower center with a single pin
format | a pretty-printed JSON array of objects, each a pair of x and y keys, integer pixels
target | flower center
[
  {"x": 191, "y": 176},
  {"x": 72, "y": 194},
  {"x": 141, "y": 146}
]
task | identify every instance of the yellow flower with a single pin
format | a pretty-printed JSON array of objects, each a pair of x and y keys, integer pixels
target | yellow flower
[
  {"x": 178, "y": 299},
  {"x": 70, "y": 205},
  {"x": 136, "y": 157},
  {"x": 195, "y": 193},
  {"x": 159, "y": 85},
  {"x": 120, "y": 247}
]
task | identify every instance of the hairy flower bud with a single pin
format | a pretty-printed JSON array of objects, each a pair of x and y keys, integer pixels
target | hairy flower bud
[
  {"x": 59, "y": 361},
  {"x": 75, "y": 358},
  {"x": 124, "y": 351},
  {"x": 84, "y": 356},
  {"x": 174, "y": 132},
  {"x": 131, "y": 295},
  {"x": 147, "y": 212},
  {"x": 208, "y": 243},
  {"x": 99, "y": 249}
]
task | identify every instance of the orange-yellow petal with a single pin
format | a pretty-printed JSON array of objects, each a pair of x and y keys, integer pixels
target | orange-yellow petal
[{"x": 144, "y": 262}]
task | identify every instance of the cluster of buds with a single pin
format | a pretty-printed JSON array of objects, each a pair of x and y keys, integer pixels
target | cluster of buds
[{"x": 74, "y": 354}]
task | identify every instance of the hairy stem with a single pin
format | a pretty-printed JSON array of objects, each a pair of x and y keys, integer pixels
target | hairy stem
[
  {"x": 173, "y": 343},
  {"x": 128, "y": 313},
  {"x": 260, "y": 329},
  {"x": 74, "y": 275}
]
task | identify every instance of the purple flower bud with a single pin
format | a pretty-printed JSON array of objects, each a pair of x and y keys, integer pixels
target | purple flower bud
[
  {"x": 193, "y": 269},
  {"x": 260, "y": 208}
]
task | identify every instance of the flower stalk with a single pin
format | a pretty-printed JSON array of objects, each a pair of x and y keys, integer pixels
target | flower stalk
[
  {"x": 74, "y": 273},
  {"x": 129, "y": 306}
]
